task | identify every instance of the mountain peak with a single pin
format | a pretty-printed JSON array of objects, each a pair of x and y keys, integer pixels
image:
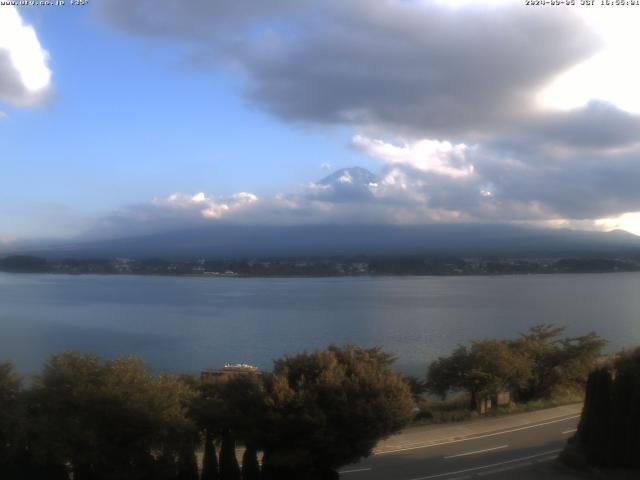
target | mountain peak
[{"x": 356, "y": 176}]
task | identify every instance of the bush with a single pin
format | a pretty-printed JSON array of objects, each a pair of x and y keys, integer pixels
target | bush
[
  {"x": 329, "y": 408},
  {"x": 109, "y": 419}
]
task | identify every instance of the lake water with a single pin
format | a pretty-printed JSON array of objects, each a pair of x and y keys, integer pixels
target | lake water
[{"x": 186, "y": 324}]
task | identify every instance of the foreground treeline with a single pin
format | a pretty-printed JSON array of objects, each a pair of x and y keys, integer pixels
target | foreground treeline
[
  {"x": 540, "y": 364},
  {"x": 87, "y": 419},
  {"x": 609, "y": 430}
]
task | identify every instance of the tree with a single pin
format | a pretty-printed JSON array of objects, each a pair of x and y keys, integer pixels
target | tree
[
  {"x": 418, "y": 386},
  {"x": 244, "y": 417},
  {"x": 206, "y": 410},
  {"x": 11, "y": 416},
  {"x": 448, "y": 373},
  {"x": 209, "y": 459},
  {"x": 486, "y": 368},
  {"x": 595, "y": 421},
  {"x": 9, "y": 403},
  {"x": 608, "y": 433},
  {"x": 244, "y": 407},
  {"x": 250, "y": 465},
  {"x": 232, "y": 409},
  {"x": 578, "y": 357},
  {"x": 533, "y": 366},
  {"x": 540, "y": 345},
  {"x": 556, "y": 361},
  {"x": 187, "y": 464},
  {"x": 107, "y": 419},
  {"x": 24, "y": 263},
  {"x": 329, "y": 408},
  {"x": 229, "y": 468}
]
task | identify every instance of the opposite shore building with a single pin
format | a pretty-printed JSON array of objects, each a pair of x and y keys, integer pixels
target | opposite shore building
[{"x": 230, "y": 370}]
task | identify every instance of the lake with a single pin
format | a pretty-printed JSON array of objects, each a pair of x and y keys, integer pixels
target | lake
[{"x": 188, "y": 323}]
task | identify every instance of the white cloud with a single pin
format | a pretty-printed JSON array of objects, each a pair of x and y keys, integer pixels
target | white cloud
[
  {"x": 611, "y": 75},
  {"x": 208, "y": 207},
  {"x": 458, "y": 80},
  {"x": 406, "y": 68},
  {"x": 433, "y": 156},
  {"x": 628, "y": 221},
  {"x": 496, "y": 191},
  {"x": 25, "y": 77}
]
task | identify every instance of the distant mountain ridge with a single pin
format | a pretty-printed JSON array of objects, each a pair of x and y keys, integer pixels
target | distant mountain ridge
[{"x": 227, "y": 241}]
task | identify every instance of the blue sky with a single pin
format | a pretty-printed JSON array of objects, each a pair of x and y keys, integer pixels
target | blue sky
[
  {"x": 128, "y": 123},
  {"x": 163, "y": 114}
]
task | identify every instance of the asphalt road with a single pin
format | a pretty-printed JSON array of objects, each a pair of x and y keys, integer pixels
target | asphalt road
[{"x": 507, "y": 453}]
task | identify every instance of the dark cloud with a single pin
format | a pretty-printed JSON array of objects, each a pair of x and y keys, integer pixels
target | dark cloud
[
  {"x": 414, "y": 68},
  {"x": 597, "y": 127},
  {"x": 580, "y": 186},
  {"x": 193, "y": 20},
  {"x": 418, "y": 70}
]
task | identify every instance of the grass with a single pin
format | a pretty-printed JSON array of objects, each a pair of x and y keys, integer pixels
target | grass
[{"x": 456, "y": 408}]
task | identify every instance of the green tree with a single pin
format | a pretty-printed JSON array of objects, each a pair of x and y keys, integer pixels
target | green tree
[
  {"x": 244, "y": 417},
  {"x": 540, "y": 345},
  {"x": 209, "y": 459},
  {"x": 608, "y": 434},
  {"x": 206, "y": 410},
  {"x": 625, "y": 435},
  {"x": 229, "y": 468},
  {"x": 244, "y": 407},
  {"x": 448, "y": 373},
  {"x": 555, "y": 361},
  {"x": 11, "y": 417},
  {"x": 418, "y": 386},
  {"x": 187, "y": 464},
  {"x": 485, "y": 368},
  {"x": 533, "y": 366},
  {"x": 231, "y": 409},
  {"x": 326, "y": 409},
  {"x": 108, "y": 420},
  {"x": 595, "y": 423},
  {"x": 578, "y": 357},
  {"x": 24, "y": 263},
  {"x": 250, "y": 465}
]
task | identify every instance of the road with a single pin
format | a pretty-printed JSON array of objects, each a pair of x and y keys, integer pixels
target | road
[{"x": 496, "y": 449}]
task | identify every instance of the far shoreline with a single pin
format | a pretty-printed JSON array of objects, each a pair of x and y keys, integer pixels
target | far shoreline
[{"x": 363, "y": 276}]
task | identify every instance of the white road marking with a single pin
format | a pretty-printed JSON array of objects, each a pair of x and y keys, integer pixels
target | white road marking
[
  {"x": 477, "y": 451},
  {"x": 566, "y": 432},
  {"x": 504, "y": 469},
  {"x": 486, "y": 435},
  {"x": 355, "y": 471},
  {"x": 506, "y": 462},
  {"x": 548, "y": 459}
]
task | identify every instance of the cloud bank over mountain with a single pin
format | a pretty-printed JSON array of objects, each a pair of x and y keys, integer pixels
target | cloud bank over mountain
[
  {"x": 400, "y": 195},
  {"x": 444, "y": 96}
]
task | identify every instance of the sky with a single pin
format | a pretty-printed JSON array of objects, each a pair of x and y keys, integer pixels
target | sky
[{"x": 120, "y": 118}]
